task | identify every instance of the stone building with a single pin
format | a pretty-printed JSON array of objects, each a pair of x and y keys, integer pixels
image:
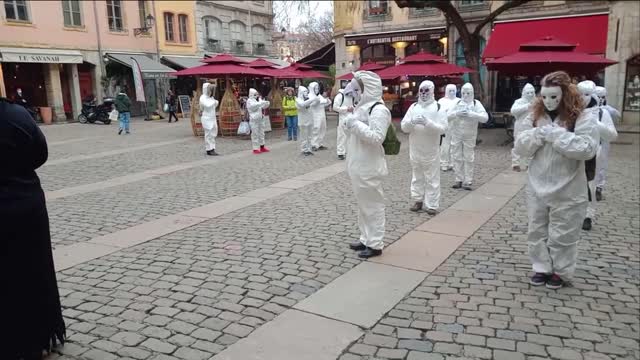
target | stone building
[
  {"x": 288, "y": 46},
  {"x": 380, "y": 31}
]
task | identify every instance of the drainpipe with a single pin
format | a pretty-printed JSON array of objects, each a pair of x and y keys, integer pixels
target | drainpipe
[
  {"x": 159, "y": 89},
  {"x": 103, "y": 70}
]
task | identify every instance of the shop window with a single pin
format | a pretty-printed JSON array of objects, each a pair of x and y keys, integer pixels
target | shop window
[
  {"x": 114, "y": 15},
  {"x": 71, "y": 13},
  {"x": 183, "y": 28},
  {"x": 16, "y": 10},
  {"x": 212, "y": 34},
  {"x": 377, "y": 52},
  {"x": 168, "y": 27},
  {"x": 461, "y": 61},
  {"x": 632, "y": 85},
  {"x": 431, "y": 46},
  {"x": 378, "y": 7}
]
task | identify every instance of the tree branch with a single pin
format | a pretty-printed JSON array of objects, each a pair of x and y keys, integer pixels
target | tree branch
[{"x": 506, "y": 6}]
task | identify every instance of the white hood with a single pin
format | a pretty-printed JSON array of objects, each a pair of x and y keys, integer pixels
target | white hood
[
  {"x": 467, "y": 93},
  {"x": 426, "y": 98},
  {"x": 302, "y": 91},
  {"x": 314, "y": 89},
  {"x": 450, "y": 91},
  {"x": 587, "y": 88},
  {"x": 528, "y": 92},
  {"x": 370, "y": 87},
  {"x": 253, "y": 93}
]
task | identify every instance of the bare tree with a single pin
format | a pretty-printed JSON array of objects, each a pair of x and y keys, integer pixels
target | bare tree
[
  {"x": 470, "y": 39},
  {"x": 286, "y": 10},
  {"x": 316, "y": 31}
]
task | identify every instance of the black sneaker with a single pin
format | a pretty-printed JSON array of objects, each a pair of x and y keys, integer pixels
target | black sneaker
[
  {"x": 368, "y": 253},
  {"x": 432, "y": 212},
  {"x": 416, "y": 207},
  {"x": 341, "y": 157},
  {"x": 598, "y": 194},
  {"x": 314, "y": 149},
  {"x": 119, "y": 131},
  {"x": 587, "y": 224},
  {"x": 539, "y": 279},
  {"x": 457, "y": 185},
  {"x": 357, "y": 246},
  {"x": 322, "y": 147},
  {"x": 555, "y": 282}
]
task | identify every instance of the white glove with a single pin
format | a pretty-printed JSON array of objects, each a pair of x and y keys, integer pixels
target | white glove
[
  {"x": 350, "y": 121},
  {"x": 418, "y": 120},
  {"x": 541, "y": 133},
  {"x": 463, "y": 112},
  {"x": 554, "y": 133}
]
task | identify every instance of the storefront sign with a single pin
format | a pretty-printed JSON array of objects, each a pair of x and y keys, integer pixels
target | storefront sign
[
  {"x": 148, "y": 75},
  {"x": 40, "y": 58},
  {"x": 409, "y": 36}
]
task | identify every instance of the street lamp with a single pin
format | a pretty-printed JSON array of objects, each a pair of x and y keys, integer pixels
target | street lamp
[{"x": 149, "y": 21}]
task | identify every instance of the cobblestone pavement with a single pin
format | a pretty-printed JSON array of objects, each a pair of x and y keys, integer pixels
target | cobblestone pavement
[{"x": 192, "y": 293}]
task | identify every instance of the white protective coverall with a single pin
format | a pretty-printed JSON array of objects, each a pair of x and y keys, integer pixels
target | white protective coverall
[
  {"x": 464, "y": 117},
  {"x": 366, "y": 164},
  {"x": 520, "y": 109},
  {"x": 305, "y": 118},
  {"x": 606, "y": 130},
  {"x": 341, "y": 103},
  {"x": 256, "y": 119},
  {"x": 602, "y": 160},
  {"x": 319, "y": 115},
  {"x": 208, "y": 105},
  {"x": 425, "y": 121},
  {"x": 556, "y": 196},
  {"x": 446, "y": 102}
]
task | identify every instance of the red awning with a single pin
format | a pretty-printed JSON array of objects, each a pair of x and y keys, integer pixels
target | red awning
[
  {"x": 589, "y": 33},
  {"x": 422, "y": 69}
]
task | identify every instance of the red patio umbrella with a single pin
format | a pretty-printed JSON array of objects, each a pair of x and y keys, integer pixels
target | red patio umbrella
[
  {"x": 368, "y": 66},
  {"x": 422, "y": 64},
  {"x": 547, "y": 55}
]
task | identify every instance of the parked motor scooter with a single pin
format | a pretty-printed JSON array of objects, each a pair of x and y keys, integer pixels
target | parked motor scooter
[{"x": 92, "y": 112}]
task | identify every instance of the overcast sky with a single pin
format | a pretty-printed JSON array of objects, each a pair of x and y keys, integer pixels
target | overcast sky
[{"x": 315, "y": 7}]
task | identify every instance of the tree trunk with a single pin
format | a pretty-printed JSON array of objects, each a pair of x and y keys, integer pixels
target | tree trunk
[{"x": 472, "y": 58}]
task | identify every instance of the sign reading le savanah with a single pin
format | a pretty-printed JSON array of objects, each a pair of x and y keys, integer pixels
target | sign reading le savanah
[{"x": 43, "y": 58}]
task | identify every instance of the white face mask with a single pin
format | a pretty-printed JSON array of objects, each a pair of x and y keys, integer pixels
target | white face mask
[
  {"x": 19, "y": 92},
  {"x": 551, "y": 97},
  {"x": 357, "y": 91},
  {"x": 467, "y": 95},
  {"x": 425, "y": 94},
  {"x": 528, "y": 94},
  {"x": 586, "y": 98},
  {"x": 601, "y": 100},
  {"x": 305, "y": 94},
  {"x": 451, "y": 93}
]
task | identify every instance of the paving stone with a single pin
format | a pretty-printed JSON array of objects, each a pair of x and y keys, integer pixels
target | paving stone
[
  {"x": 362, "y": 349},
  {"x": 418, "y": 345},
  {"x": 158, "y": 346}
]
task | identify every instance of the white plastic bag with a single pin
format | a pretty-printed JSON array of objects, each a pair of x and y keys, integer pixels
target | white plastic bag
[
  {"x": 166, "y": 107},
  {"x": 267, "y": 123},
  {"x": 244, "y": 128},
  {"x": 113, "y": 115}
]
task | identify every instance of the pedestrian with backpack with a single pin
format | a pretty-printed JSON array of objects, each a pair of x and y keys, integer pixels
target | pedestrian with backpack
[
  {"x": 367, "y": 125},
  {"x": 425, "y": 121}
]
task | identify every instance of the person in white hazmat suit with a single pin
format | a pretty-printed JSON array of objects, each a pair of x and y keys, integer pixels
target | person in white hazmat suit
[
  {"x": 446, "y": 102},
  {"x": 425, "y": 121},
  {"x": 367, "y": 126},
  {"x": 464, "y": 117},
  {"x": 319, "y": 117},
  {"x": 255, "y": 105},
  {"x": 602, "y": 160},
  {"x": 305, "y": 119},
  {"x": 520, "y": 109},
  {"x": 558, "y": 137},
  {"x": 607, "y": 132},
  {"x": 208, "y": 105},
  {"x": 341, "y": 104}
]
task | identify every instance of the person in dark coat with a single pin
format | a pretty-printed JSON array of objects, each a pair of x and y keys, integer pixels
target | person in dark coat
[
  {"x": 32, "y": 317},
  {"x": 171, "y": 104}
]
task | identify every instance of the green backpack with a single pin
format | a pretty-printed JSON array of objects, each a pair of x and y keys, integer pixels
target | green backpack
[{"x": 391, "y": 144}]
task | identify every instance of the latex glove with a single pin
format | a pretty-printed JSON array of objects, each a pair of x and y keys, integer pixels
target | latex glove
[
  {"x": 554, "y": 133},
  {"x": 418, "y": 120},
  {"x": 541, "y": 133},
  {"x": 350, "y": 121},
  {"x": 463, "y": 113}
]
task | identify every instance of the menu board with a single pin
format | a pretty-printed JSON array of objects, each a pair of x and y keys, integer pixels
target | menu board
[{"x": 185, "y": 106}]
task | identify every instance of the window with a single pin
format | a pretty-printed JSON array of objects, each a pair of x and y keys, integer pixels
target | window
[
  {"x": 142, "y": 12},
  {"x": 237, "y": 30},
  {"x": 71, "y": 13},
  {"x": 212, "y": 34},
  {"x": 471, "y": 2},
  {"x": 183, "y": 28},
  {"x": 16, "y": 10},
  {"x": 378, "y": 52},
  {"x": 168, "y": 27},
  {"x": 259, "y": 39},
  {"x": 114, "y": 15},
  {"x": 378, "y": 7}
]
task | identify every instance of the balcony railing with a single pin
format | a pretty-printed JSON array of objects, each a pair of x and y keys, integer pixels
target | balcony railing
[
  {"x": 259, "y": 49},
  {"x": 238, "y": 47},
  {"x": 213, "y": 45}
]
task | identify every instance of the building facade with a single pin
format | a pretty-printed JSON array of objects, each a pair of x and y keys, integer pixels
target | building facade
[
  {"x": 60, "y": 52},
  {"x": 239, "y": 27},
  {"x": 380, "y": 31},
  {"x": 288, "y": 46}
]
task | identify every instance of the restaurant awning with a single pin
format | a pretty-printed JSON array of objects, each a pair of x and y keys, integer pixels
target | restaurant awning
[
  {"x": 588, "y": 32},
  {"x": 322, "y": 58},
  {"x": 150, "y": 68},
  {"x": 185, "y": 62},
  {"x": 44, "y": 56}
]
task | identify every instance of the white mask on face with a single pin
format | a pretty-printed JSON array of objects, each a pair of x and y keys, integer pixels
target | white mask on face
[
  {"x": 601, "y": 92},
  {"x": 467, "y": 93},
  {"x": 587, "y": 88},
  {"x": 551, "y": 97},
  {"x": 305, "y": 94},
  {"x": 450, "y": 91},
  {"x": 426, "y": 91},
  {"x": 528, "y": 92},
  {"x": 354, "y": 90}
]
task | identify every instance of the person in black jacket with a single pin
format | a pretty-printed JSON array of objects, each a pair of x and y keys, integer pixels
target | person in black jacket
[
  {"x": 32, "y": 317},
  {"x": 171, "y": 104}
]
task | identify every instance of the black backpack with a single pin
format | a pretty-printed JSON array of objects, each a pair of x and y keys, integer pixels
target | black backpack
[{"x": 391, "y": 144}]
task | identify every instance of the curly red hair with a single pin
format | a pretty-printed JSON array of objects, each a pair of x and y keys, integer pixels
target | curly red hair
[{"x": 571, "y": 105}]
